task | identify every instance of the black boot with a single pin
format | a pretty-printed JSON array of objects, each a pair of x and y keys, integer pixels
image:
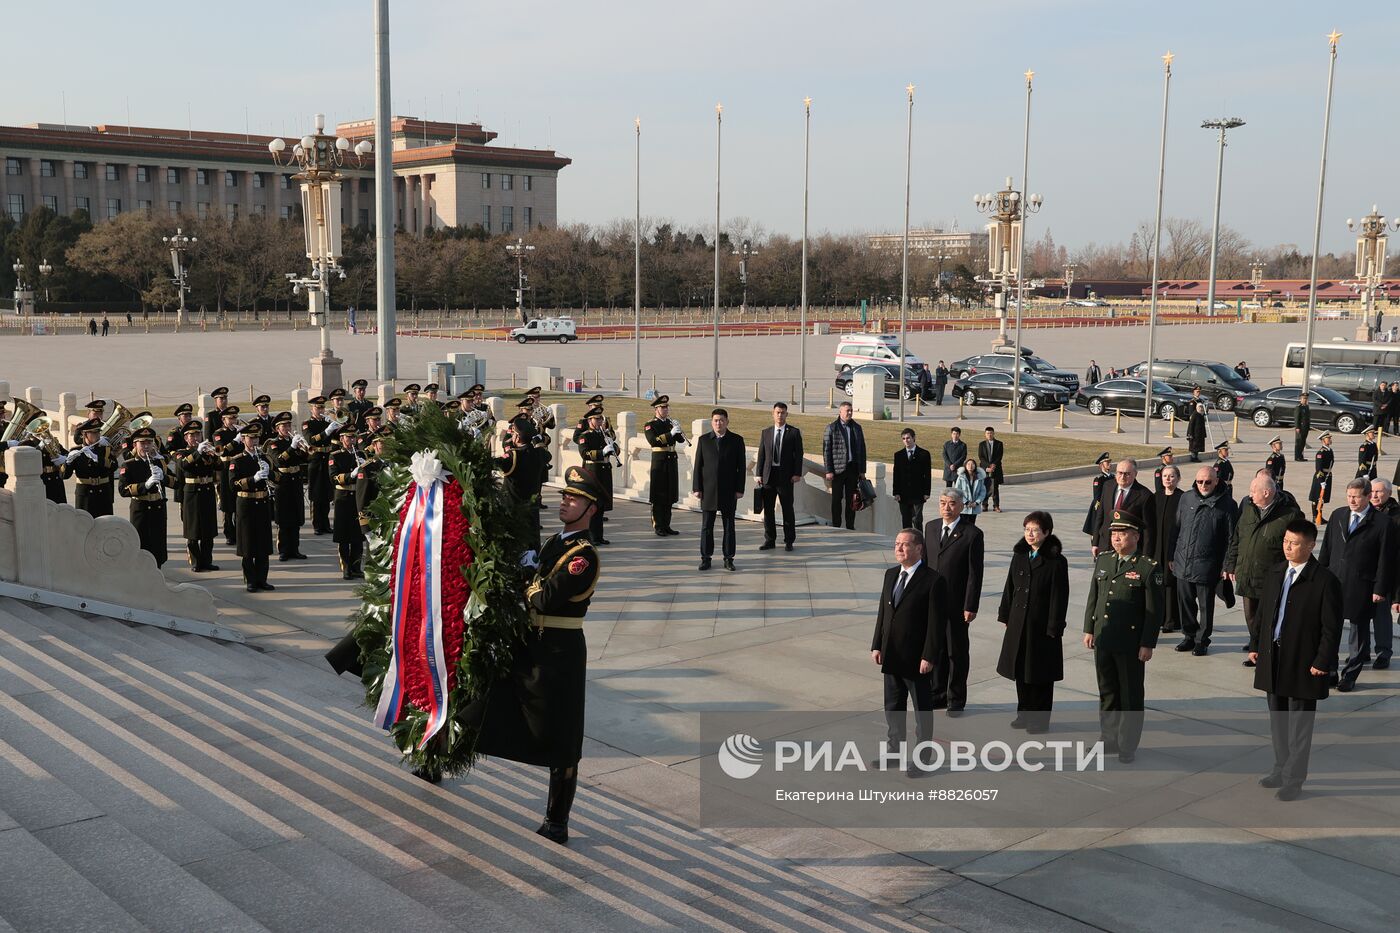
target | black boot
[{"x": 563, "y": 782}]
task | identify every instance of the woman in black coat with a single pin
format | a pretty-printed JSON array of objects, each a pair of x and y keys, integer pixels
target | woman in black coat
[
  {"x": 1034, "y": 604},
  {"x": 1164, "y": 503}
]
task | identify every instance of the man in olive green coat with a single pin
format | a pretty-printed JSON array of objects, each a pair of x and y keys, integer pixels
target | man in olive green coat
[
  {"x": 1256, "y": 544},
  {"x": 1121, "y": 621}
]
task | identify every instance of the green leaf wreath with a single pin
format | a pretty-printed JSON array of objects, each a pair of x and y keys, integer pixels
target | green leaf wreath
[{"x": 496, "y": 620}]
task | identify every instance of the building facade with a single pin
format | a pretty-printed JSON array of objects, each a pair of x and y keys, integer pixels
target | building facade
[
  {"x": 959, "y": 244},
  {"x": 445, "y": 175}
]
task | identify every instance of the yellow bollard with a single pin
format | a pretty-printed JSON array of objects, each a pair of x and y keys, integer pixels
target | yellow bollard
[
  {"x": 830, "y": 398},
  {"x": 146, "y": 395},
  {"x": 1235, "y": 439},
  {"x": 755, "y": 391},
  {"x": 623, "y": 387},
  {"x": 962, "y": 400},
  {"x": 250, "y": 395},
  {"x": 1062, "y": 417},
  {"x": 719, "y": 388},
  {"x": 1008, "y": 410},
  {"x": 1117, "y": 421},
  {"x": 1171, "y": 423},
  {"x": 685, "y": 389},
  {"x": 1380, "y": 440},
  {"x": 653, "y": 385},
  {"x": 792, "y": 394},
  {"x": 917, "y": 410},
  {"x": 512, "y": 381},
  {"x": 597, "y": 380}
]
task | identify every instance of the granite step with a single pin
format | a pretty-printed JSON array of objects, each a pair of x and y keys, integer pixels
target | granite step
[{"x": 44, "y": 894}]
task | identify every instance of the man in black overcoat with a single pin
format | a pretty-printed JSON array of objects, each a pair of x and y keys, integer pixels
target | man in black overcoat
[
  {"x": 1356, "y": 549},
  {"x": 1125, "y": 494},
  {"x": 777, "y": 472},
  {"x": 955, "y": 549},
  {"x": 718, "y": 482},
  {"x": 913, "y": 479}
]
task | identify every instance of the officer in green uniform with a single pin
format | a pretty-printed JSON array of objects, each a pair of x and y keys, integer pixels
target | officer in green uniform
[
  {"x": 1121, "y": 620},
  {"x": 1277, "y": 463},
  {"x": 663, "y": 435}
]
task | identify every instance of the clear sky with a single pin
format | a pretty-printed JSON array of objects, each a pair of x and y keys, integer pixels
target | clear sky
[{"x": 572, "y": 76}]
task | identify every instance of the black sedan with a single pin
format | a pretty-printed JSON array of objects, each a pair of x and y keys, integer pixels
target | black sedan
[
  {"x": 846, "y": 380},
  {"x": 1330, "y": 408},
  {"x": 995, "y": 388},
  {"x": 1127, "y": 395}
]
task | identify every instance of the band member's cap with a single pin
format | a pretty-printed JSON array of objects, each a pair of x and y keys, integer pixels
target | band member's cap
[
  {"x": 96, "y": 404},
  {"x": 375, "y": 412},
  {"x": 263, "y": 400},
  {"x": 1122, "y": 518},
  {"x": 660, "y": 400},
  {"x": 1370, "y": 430},
  {"x": 533, "y": 390},
  {"x": 184, "y": 408},
  {"x": 430, "y": 387},
  {"x": 1275, "y": 440},
  {"x": 252, "y": 429},
  {"x": 220, "y": 392},
  {"x": 523, "y": 422},
  {"x": 360, "y": 384},
  {"x": 1223, "y": 445},
  {"x": 336, "y": 393},
  {"x": 525, "y": 405},
  {"x": 318, "y": 400},
  {"x": 229, "y": 412},
  {"x": 1325, "y": 436},
  {"x": 143, "y": 434},
  {"x": 1103, "y": 458},
  {"x": 477, "y": 388},
  {"x": 143, "y": 414},
  {"x": 581, "y": 483},
  {"x": 394, "y": 403},
  {"x": 283, "y": 417},
  {"x": 463, "y": 396},
  {"x": 596, "y": 400},
  {"x": 413, "y": 387},
  {"x": 92, "y": 424},
  {"x": 193, "y": 428},
  {"x": 1164, "y": 451},
  {"x": 451, "y": 405},
  {"x": 595, "y": 411}
]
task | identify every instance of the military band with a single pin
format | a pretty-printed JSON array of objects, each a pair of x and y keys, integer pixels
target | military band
[
  {"x": 200, "y": 468},
  {"x": 349, "y": 539},
  {"x": 289, "y": 456},
  {"x": 143, "y": 479},
  {"x": 250, "y": 475},
  {"x": 663, "y": 435}
]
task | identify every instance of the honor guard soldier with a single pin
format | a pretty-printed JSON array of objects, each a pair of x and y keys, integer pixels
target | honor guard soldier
[
  {"x": 229, "y": 447},
  {"x": 393, "y": 410},
  {"x": 597, "y": 452},
  {"x": 367, "y": 477},
  {"x": 175, "y": 444},
  {"x": 344, "y": 464},
  {"x": 1367, "y": 455},
  {"x": 1320, "y": 493},
  {"x": 337, "y": 411},
  {"x": 595, "y": 401},
  {"x": 431, "y": 391},
  {"x": 143, "y": 480},
  {"x": 200, "y": 465},
  {"x": 1168, "y": 459},
  {"x": 663, "y": 435},
  {"x": 1105, "y": 474},
  {"x": 1121, "y": 620},
  {"x": 358, "y": 405},
  {"x": 320, "y": 439},
  {"x": 410, "y": 402},
  {"x": 1276, "y": 463},
  {"x": 535, "y": 715},
  {"x": 214, "y": 419},
  {"x": 1224, "y": 469},
  {"x": 250, "y": 474},
  {"x": 51, "y": 472},
  {"x": 94, "y": 466},
  {"x": 289, "y": 456},
  {"x": 540, "y": 415},
  {"x": 523, "y": 467},
  {"x": 261, "y": 417}
]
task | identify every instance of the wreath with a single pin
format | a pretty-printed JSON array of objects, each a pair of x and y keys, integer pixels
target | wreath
[{"x": 481, "y": 616}]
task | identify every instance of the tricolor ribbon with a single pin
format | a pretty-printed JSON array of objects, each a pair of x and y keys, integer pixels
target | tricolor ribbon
[{"x": 418, "y": 545}]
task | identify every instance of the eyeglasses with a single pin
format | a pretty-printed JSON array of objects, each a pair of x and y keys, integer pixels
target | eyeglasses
[
  {"x": 1205, "y": 482},
  {"x": 1127, "y": 473}
]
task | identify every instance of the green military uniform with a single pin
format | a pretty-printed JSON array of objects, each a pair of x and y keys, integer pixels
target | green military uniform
[{"x": 1124, "y": 614}]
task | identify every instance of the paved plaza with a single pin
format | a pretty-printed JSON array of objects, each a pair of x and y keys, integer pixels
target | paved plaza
[{"x": 250, "y": 787}]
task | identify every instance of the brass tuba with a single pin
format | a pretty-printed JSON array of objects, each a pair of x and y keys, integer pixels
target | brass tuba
[
  {"x": 40, "y": 430},
  {"x": 117, "y": 425},
  {"x": 19, "y": 423}
]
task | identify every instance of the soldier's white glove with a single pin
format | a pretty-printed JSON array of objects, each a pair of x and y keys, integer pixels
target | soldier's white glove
[
  {"x": 104, "y": 442},
  {"x": 238, "y": 438},
  {"x": 157, "y": 474},
  {"x": 205, "y": 447},
  {"x": 530, "y": 559},
  {"x": 676, "y": 431},
  {"x": 152, "y": 483},
  {"x": 90, "y": 453},
  {"x": 300, "y": 443},
  {"x": 261, "y": 474},
  {"x": 609, "y": 449},
  {"x": 60, "y": 460},
  {"x": 333, "y": 429},
  {"x": 12, "y": 443}
]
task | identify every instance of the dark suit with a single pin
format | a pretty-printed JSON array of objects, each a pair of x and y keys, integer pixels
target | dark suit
[
  {"x": 1308, "y": 638},
  {"x": 959, "y": 562},
  {"x": 1138, "y": 501},
  {"x": 913, "y": 482},
  {"x": 989, "y": 457},
  {"x": 954, "y": 456},
  {"x": 1360, "y": 561},
  {"x": 907, "y": 632},
  {"x": 774, "y": 472},
  {"x": 718, "y": 479}
]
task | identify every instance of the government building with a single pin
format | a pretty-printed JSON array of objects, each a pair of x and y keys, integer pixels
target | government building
[
  {"x": 445, "y": 175},
  {"x": 955, "y": 244}
]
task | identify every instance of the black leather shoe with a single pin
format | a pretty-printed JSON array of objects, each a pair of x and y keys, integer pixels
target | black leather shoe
[
  {"x": 602, "y": 541},
  {"x": 1019, "y": 722},
  {"x": 1291, "y": 792},
  {"x": 266, "y": 586},
  {"x": 251, "y": 588},
  {"x": 767, "y": 546},
  {"x": 1246, "y": 663},
  {"x": 284, "y": 558},
  {"x": 1346, "y": 686},
  {"x": 728, "y": 563},
  {"x": 1200, "y": 650},
  {"x": 554, "y": 832},
  {"x": 955, "y": 711},
  {"x": 661, "y": 532},
  {"x": 788, "y": 546},
  {"x": 672, "y": 531},
  {"x": 1037, "y": 730},
  {"x": 300, "y": 557},
  {"x": 1127, "y": 758},
  {"x": 1187, "y": 644},
  {"x": 705, "y": 564},
  {"x": 939, "y": 703},
  {"x": 1381, "y": 664},
  {"x": 211, "y": 567},
  {"x": 1271, "y": 780}
]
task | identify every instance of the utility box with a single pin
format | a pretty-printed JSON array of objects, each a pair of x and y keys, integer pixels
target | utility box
[
  {"x": 868, "y": 399},
  {"x": 546, "y": 377}
]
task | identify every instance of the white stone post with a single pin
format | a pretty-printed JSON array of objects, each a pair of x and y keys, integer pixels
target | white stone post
[{"x": 31, "y": 529}]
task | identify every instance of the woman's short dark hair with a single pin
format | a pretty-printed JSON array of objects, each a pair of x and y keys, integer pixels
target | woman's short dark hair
[{"x": 1041, "y": 518}]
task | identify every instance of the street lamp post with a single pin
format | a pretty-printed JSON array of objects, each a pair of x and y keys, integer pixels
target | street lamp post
[
  {"x": 179, "y": 245},
  {"x": 1332, "y": 39},
  {"x": 939, "y": 257},
  {"x": 1370, "y": 255},
  {"x": 806, "y": 185},
  {"x": 637, "y": 267},
  {"x": 1069, "y": 281},
  {"x": 1003, "y": 245},
  {"x": 320, "y": 156},
  {"x": 904, "y": 274},
  {"x": 23, "y": 294},
  {"x": 45, "y": 270},
  {"x": 719, "y": 136},
  {"x": 519, "y": 249},
  {"x": 1223, "y": 124},
  {"x": 744, "y": 251}
]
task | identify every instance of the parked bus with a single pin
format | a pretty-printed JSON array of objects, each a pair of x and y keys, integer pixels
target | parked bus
[{"x": 1337, "y": 351}]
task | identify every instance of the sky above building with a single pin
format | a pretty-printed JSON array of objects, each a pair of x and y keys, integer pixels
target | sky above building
[{"x": 572, "y": 77}]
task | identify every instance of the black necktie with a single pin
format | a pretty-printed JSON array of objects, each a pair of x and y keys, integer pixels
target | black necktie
[
  {"x": 947, "y": 533},
  {"x": 778, "y": 444},
  {"x": 899, "y": 586}
]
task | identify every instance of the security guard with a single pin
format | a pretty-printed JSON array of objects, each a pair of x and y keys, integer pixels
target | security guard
[
  {"x": 1224, "y": 469},
  {"x": 175, "y": 444},
  {"x": 143, "y": 480},
  {"x": 663, "y": 436},
  {"x": 320, "y": 438},
  {"x": 250, "y": 474},
  {"x": 1105, "y": 465},
  {"x": 1121, "y": 619},
  {"x": 94, "y": 466},
  {"x": 228, "y": 446},
  {"x": 344, "y": 465},
  {"x": 1277, "y": 463},
  {"x": 1167, "y": 460},
  {"x": 596, "y": 450},
  {"x": 1368, "y": 454},
  {"x": 358, "y": 405},
  {"x": 535, "y": 715},
  {"x": 261, "y": 405},
  {"x": 1320, "y": 493},
  {"x": 200, "y": 466},
  {"x": 289, "y": 456},
  {"x": 214, "y": 419}
]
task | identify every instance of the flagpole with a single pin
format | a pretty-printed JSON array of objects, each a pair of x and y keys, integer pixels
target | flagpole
[
  {"x": 1317, "y": 227},
  {"x": 904, "y": 277},
  {"x": 1021, "y": 255},
  {"x": 1156, "y": 251},
  {"x": 806, "y": 187}
]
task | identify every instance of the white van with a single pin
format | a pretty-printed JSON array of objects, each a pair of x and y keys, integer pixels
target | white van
[
  {"x": 855, "y": 349},
  {"x": 561, "y": 329}
]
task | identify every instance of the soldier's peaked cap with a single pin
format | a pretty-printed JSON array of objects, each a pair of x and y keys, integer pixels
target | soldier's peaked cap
[
  {"x": 336, "y": 393},
  {"x": 143, "y": 434},
  {"x": 413, "y": 387},
  {"x": 1103, "y": 458},
  {"x": 282, "y": 417},
  {"x": 220, "y": 392},
  {"x": 594, "y": 412},
  {"x": 660, "y": 400},
  {"x": 360, "y": 384},
  {"x": 318, "y": 400},
  {"x": 1122, "y": 518},
  {"x": 596, "y": 400},
  {"x": 252, "y": 430},
  {"x": 581, "y": 483},
  {"x": 184, "y": 408},
  {"x": 1164, "y": 451},
  {"x": 263, "y": 400},
  {"x": 194, "y": 427}
]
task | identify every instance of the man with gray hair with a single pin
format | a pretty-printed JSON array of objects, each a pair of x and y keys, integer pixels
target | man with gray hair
[
  {"x": 1126, "y": 494},
  {"x": 1256, "y": 544},
  {"x": 1356, "y": 548},
  {"x": 1197, "y": 545},
  {"x": 954, "y": 548}
]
